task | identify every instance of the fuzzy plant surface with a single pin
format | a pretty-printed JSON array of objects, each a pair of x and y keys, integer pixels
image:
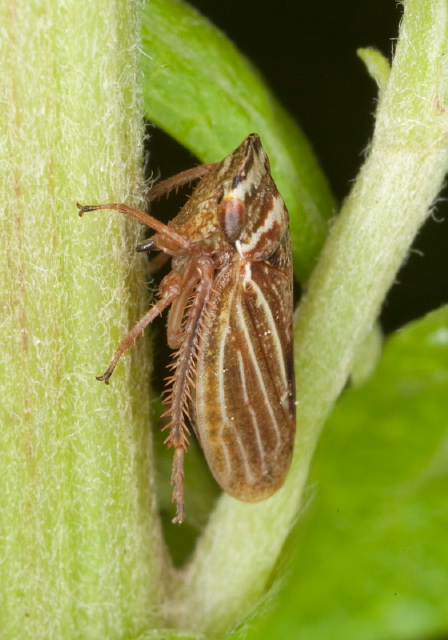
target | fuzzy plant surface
[{"x": 357, "y": 548}]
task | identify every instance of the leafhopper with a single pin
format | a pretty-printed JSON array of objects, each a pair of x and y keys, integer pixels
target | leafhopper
[{"x": 229, "y": 323}]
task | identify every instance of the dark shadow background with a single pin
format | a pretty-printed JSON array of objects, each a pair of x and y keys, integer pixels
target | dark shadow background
[{"x": 307, "y": 53}]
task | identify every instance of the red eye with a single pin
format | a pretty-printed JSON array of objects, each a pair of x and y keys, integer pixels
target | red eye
[{"x": 231, "y": 213}]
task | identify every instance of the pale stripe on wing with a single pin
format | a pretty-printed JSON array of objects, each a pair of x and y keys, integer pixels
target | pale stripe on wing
[
  {"x": 253, "y": 358},
  {"x": 273, "y": 329}
]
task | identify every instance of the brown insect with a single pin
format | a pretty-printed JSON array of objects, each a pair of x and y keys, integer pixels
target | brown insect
[{"x": 230, "y": 323}]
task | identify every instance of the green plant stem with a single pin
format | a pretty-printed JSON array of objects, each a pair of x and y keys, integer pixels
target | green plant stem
[
  {"x": 79, "y": 545},
  {"x": 389, "y": 202}
]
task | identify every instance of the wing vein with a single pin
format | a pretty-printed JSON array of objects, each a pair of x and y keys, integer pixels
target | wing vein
[
  {"x": 251, "y": 411},
  {"x": 274, "y": 331},
  {"x": 258, "y": 373}
]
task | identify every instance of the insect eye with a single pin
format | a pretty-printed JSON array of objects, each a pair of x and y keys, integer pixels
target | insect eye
[{"x": 231, "y": 214}]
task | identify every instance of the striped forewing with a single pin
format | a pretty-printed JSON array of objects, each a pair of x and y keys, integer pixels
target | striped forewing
[{"x": 245, "y": 411}]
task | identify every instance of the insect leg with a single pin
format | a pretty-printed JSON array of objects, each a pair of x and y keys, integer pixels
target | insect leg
[
  {"x": 177, "y": 239},
  {"x": 169, "y": 290},
  {"x": 177, "y": 482},
  {"x": 179, "y": 180},
  {"x": 175, "y": 329},
  {"x": 198, "y": 282}
]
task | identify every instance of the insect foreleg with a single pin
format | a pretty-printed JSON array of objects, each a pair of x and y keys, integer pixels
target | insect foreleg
[{"x": 177, "y": 239}]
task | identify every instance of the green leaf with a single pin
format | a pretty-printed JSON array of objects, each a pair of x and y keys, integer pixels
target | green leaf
[
  {"x": 371, "y": 556},
  {"x": 376, "y": 64},
  {"x": 202, "y": 91}
]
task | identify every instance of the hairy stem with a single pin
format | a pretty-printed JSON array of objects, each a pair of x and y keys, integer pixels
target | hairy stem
[{"x": 78, "y": 535}]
